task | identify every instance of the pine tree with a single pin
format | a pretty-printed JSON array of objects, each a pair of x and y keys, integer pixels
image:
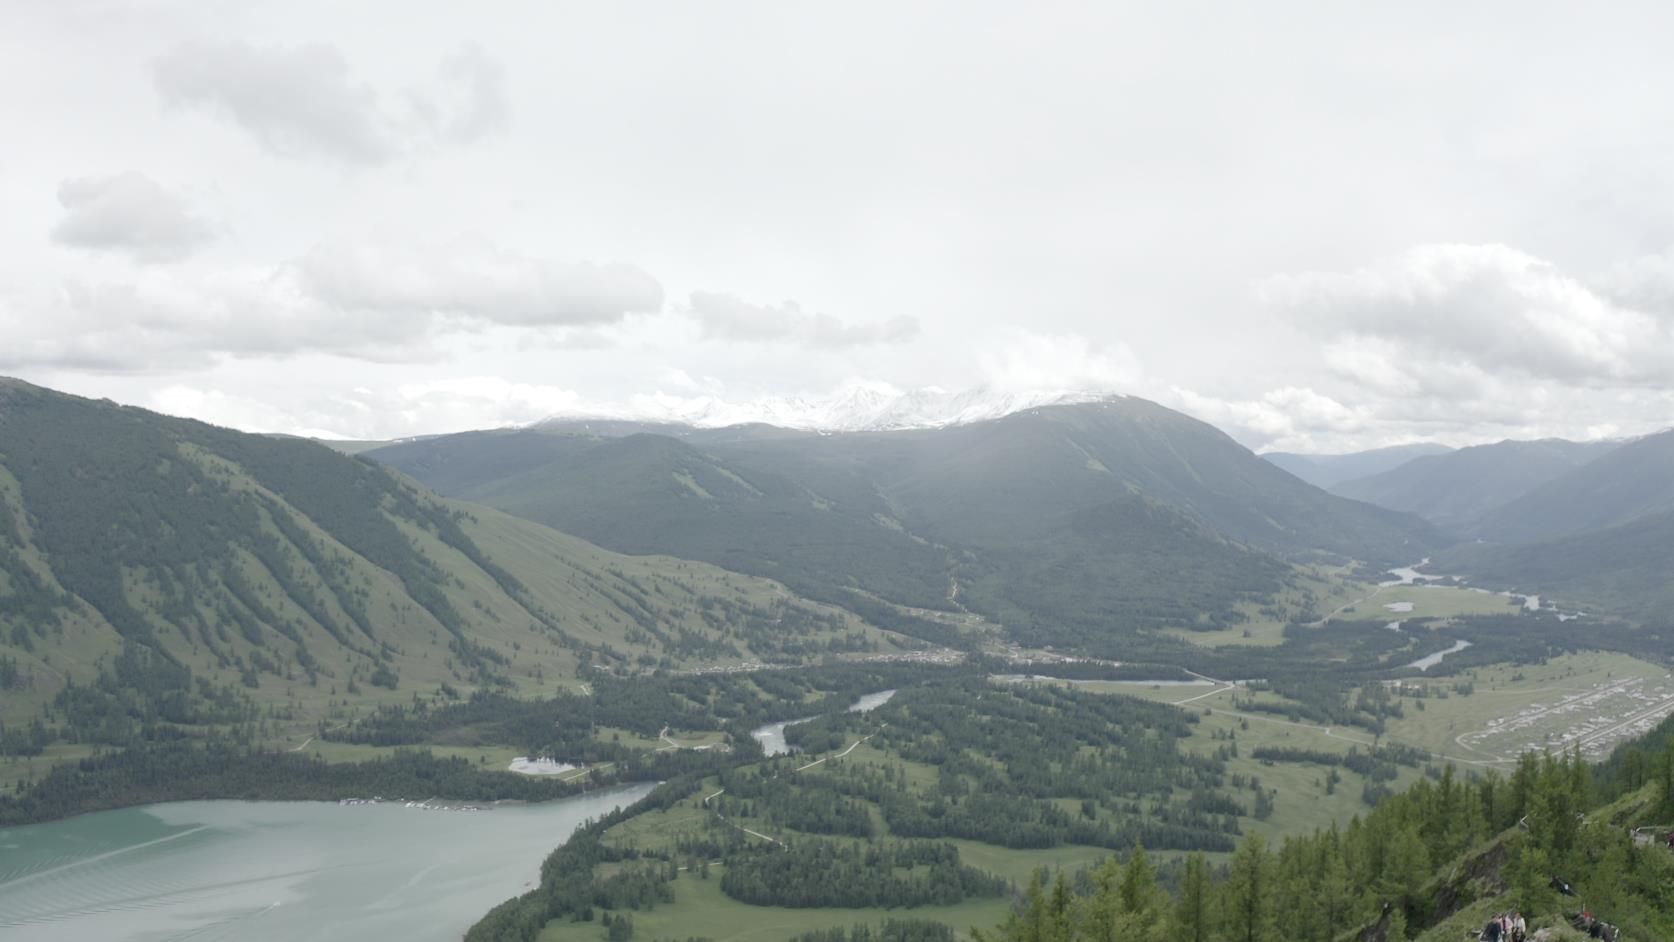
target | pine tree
[
  {"x": 1060, "y": 924},
  {"x": 1139, "y": 882},
  {"x": 1191, "y": 907},
  {"x": 1406, "y": 868},
  {"x": 1336, "y": 900},
  {"x": 1247, "y": 895},
  {"x": 1397, "y": 929},
  {"x": 1102, "y": 910},
  {"x": 1026, "y": 922},
  {"x": 1142, "y": 903},
  {"x": 1292, "y": 887},
  {"x": 1529, "y": 874}
]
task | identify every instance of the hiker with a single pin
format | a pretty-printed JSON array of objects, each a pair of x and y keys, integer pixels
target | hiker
[
  {"x": 1560, "y": 886},
  {"x": 1491, "y": 932},
  {"x": 1596, "y": 927},
  {"x": 1519, "y": 930}
]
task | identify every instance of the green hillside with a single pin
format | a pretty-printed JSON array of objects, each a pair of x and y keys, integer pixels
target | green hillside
[
  {"x": 1062, "y": 523},
  {"x": 158, "y": 576},
  {"x": 1454, "y": 490}
]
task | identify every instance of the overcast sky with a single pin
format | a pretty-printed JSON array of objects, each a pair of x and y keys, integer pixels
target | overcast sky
[{"x": 1319, "y": 226}]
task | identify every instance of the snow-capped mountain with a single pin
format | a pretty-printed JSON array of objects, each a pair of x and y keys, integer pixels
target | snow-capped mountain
[{"x": 853, "y": 408}]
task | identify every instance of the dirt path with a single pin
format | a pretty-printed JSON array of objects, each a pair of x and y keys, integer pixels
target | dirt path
[
  {"x": 768, "y": 837},
  {"x": 1348, "y": 605},
  {"x": 1203, "y": 695},
  {"x": 310, "y": 739},
  {"x": 852, "y": 747},
  {"x": 586, "y": 771}
]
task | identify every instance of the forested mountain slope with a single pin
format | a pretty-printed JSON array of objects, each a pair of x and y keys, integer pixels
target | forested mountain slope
[
  {"x": 1095, "y": 517},
  {"x": 1620, "y": 570},
  {"x": 158, "y": 573},
  {"x": 1632, "y": 480},
  {"x": 1454, "y": 490}
]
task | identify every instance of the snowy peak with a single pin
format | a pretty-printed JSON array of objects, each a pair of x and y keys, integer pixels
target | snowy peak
[{"x": 858, "y": 407}]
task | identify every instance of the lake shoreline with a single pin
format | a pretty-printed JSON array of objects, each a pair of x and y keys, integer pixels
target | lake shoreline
[
  {"x": 173, "y": 773},
  {"x": 282, "y": 869}
]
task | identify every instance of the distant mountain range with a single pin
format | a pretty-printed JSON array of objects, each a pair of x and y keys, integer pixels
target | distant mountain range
[
  {"x": 1063, "y": 521},
  {"x": 1622, "y": 484},
  {"x": 1601, "y": 534},
  {"x": 1081, "y": 523},
  {"x": 1329, "y": 470},
  {"x": 1456, "y": 490},
  {"x": 853, "y": 408},
  {"x": 1589, "y": 522}
]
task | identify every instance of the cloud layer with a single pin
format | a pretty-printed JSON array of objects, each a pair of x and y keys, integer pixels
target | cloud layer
[
  {"x": 727, "y": 317},
  {"x": 303, "y": 101},
  {"x": 1437, "y": 310},
  {"x": 476, "y": 281},
  {"x": 381, "y": 302},
  {"x": 1026, "y": 204},
  {"x": 128, "y": 213},
  {"x": 1484, "y": 340}
]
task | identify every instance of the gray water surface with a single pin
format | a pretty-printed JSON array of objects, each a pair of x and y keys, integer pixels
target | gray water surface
[
  {"x": 1431, "y": 660},
  {"x": 772, "y": 736},
  {"x": 226, "y": 870}
]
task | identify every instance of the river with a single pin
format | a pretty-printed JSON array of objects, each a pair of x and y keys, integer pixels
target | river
[
  {"x": 1409, "y": 575},
  {"x": 226, "y": 870},
  {"x": 1431, "y": 660},
  {"x": 772, "y": 736}
]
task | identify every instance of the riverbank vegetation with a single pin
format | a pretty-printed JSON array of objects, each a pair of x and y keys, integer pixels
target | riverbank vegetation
[
  {"x": 187, "y": 771},
  {"x": 1422, "y": 858}
]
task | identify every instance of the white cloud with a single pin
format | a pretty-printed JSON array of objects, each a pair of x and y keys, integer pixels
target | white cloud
[
  {"x": 1462, "y": 344},
  {"x": 727, "y": 317},
  {"x": 304, "y": 101},
  {"x": 468, "y": 100},
  {"x": 1645, "y": 283},
  {"x": 1025, "y": 360},
  {"x": 1288, "y": 418},
  {"x": 452, "y": 404},
  {"x": 1489, "y": 308},
  {"x": 376, "y": 302},
  {"x": 476, "y": 281},
  {"x": 220, "y": 408},
  {"x": 475, "y": 402},
  {"x": 167, "y": 320},
  {"x": 130, "y": 213}
]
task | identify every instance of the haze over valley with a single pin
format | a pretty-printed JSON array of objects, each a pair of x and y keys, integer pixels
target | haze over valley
[{"x": 750, "y": 472}]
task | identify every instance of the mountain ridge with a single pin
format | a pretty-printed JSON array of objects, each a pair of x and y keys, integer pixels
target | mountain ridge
[
  {"x": 1632, "y": 480},
  {"x": 854, "y": 407},
  {"x": 279, "y": 571},
  {"x": 1454, "y": 490},
  {"x": 1327, "y": 470},
  {"x": 1000, "y": 512}
]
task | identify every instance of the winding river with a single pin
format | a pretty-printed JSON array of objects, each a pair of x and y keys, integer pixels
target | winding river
[
  {"x": 772, "y": 736},
  {"x": 241, "y": 870},
  {"x": 1431, "y": 660}
]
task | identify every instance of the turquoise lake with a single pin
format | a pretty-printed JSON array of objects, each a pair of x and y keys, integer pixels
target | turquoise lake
[{"x": 239, "y": 870}]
